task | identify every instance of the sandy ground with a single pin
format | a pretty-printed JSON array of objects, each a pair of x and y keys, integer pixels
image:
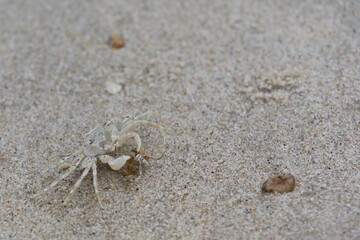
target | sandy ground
[{"x": 245, "y": 89}]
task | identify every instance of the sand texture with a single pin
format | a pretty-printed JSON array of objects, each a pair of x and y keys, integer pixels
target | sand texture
[{"x": 244, "y": 89}]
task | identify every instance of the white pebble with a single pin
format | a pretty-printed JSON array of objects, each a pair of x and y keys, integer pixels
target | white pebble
[{"x": 112, "y": 87}]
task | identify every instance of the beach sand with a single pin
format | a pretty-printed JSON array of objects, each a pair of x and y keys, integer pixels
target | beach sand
[{"x": 244, "y": 89}]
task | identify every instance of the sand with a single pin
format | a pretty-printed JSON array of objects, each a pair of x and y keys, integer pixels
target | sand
[{"x": 244, "y": 89}]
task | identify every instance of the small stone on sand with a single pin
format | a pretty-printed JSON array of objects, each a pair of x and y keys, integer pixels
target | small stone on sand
[
  {"x": 112, "y": 87},
  {"x": 116, "y": 41},
  {"x": 280, "y": 183}
]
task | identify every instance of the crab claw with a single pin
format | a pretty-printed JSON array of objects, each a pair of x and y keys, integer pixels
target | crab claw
[
  {"x": 106, "y": 158},
  {"x": 119, "y": 162}
]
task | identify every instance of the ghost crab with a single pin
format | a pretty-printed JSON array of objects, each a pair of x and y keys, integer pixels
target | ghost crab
[{"x": 103, "y": 144}]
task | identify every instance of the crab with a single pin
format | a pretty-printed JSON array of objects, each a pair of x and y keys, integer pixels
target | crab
[{"x": 103, "y": 144}]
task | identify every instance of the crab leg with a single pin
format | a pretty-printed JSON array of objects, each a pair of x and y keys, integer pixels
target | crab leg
[
  {"x": 129, "y": 120},
  {"x": 128, "y": 135},
  {"x": 78, "y": 182},
  {"x": 96, "y": 185},
  {"x": 64, "y": 175},
  {"x": 138, "y": 123},
  {"x": 140, "y": 167},
  {"x": 75, "y": 154}
]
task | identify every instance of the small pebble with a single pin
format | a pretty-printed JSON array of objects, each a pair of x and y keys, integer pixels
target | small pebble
[
  {"x": 116, "y": 41},
  {"x": 112, "y": 87},
  {"x": 280, "y": 183}
]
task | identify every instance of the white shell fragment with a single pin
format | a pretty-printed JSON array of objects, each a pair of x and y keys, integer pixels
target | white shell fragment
[
  {"x": 112, "y": 87},
  {"x": 119, "y": 162}
]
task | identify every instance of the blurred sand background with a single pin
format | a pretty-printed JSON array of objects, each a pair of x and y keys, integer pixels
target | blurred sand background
[{"x": 245, "y": 89}]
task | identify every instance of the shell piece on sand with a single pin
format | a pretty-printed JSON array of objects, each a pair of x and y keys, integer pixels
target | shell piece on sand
[
  {"x": 280, "y": 183},
  {"x": 112, "y": 87},
  {"x": 116, "y": 41}
]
